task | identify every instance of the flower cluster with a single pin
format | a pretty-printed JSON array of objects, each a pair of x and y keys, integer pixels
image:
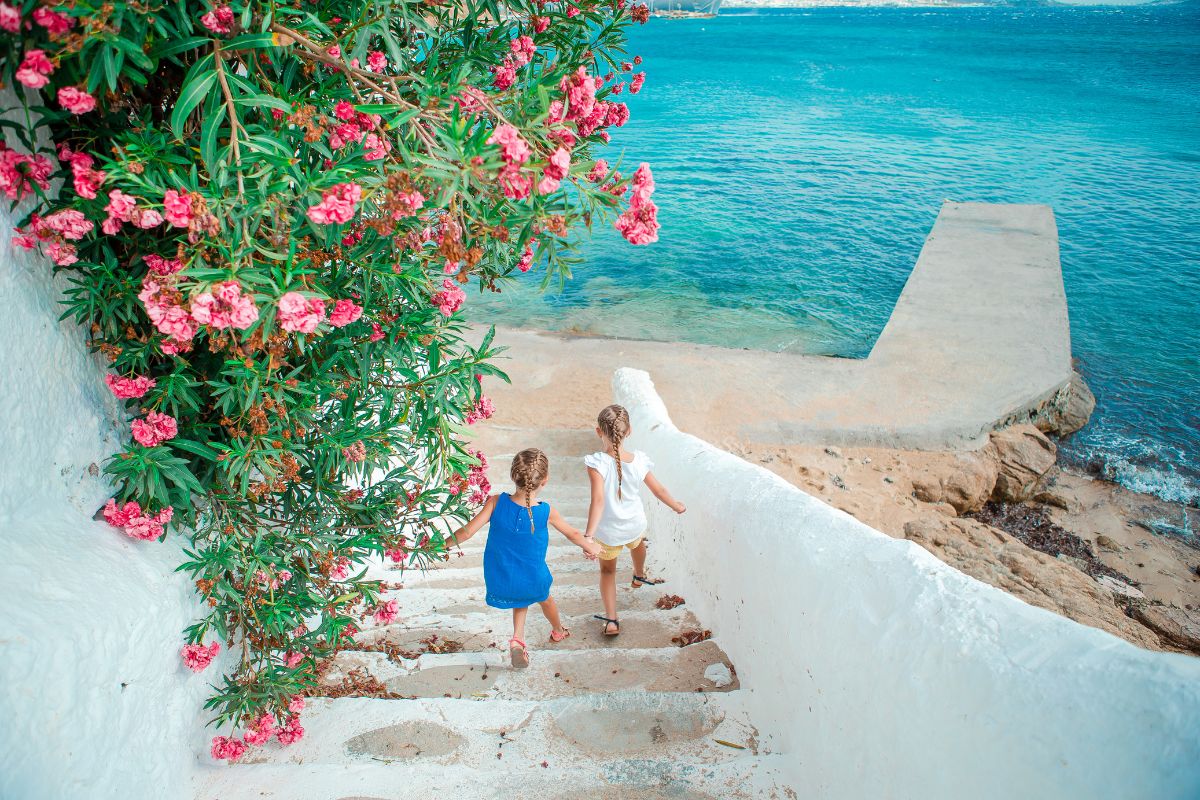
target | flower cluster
[
  {"x": 639, "y": 223},
  {"x": 197, "y": 657},
  {"x": 273, "y": 262}
]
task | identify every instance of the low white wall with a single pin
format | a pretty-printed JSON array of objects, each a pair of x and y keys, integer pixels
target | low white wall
[
  {"x": 94, "y": 702},
  {"x": 883, "y": 672}
]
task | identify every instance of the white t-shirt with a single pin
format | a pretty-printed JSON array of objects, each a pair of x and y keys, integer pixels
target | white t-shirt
[{"x": 624, "y": 517}]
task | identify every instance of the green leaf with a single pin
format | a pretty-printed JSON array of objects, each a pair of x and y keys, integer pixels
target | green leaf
[{"x": 196, "y": 86}]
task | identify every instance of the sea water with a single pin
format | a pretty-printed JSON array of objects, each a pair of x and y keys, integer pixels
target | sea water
[{"x": 801, "y": 157}]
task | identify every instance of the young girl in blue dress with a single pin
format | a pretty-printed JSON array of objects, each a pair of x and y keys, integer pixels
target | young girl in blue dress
[{"x": 514, "y": 559}]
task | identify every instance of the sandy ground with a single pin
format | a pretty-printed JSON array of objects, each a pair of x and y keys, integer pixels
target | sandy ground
[{"x": 553, "y": 388}]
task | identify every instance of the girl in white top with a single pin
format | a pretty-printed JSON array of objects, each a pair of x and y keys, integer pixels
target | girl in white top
[{"x": 616, "y": 517}]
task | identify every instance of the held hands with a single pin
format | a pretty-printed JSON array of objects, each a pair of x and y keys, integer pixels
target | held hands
[{"x": 591, "y": 548}]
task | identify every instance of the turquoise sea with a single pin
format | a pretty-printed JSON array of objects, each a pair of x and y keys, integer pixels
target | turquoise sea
[{"x": 801, "y": 157}]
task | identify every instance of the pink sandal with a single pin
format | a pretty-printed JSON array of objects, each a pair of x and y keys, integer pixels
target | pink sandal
[
  {"x": 517, "y": 653},
  {"x": 557, "y": 637}
]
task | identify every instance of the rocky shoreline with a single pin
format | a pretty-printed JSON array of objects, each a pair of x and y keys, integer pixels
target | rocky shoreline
[{"x": 1010, "y": 516}]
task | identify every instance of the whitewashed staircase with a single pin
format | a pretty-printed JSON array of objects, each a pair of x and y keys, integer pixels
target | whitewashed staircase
[{"x": 598, "y": 717}]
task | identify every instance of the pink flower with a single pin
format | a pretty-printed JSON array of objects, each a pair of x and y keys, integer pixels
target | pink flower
[
  {"x": 344, "y": 110},
  {"x": 522, "y": 49},
  {"x": 580, "y": 89},
  {"x": 376, "y": 61},
  {"x": 482, "y": 410},
  {"x": 572, "y": 11},
  {"x": 10, "y": 18},
  {"x": 227, "y": 749},
  {"x": 260, "y": 731},
  {"x": 556, "y": 112},
  {"x": 87, "y": 180},
  {"x": 197, "y": 657},
  {"x": 556, "y": 170},
  {"x": 526, "y": 260},
  {"x": 120, "y": 516},
  {"x": 450, "y": 299},
  {"x": 376, "y": 333},
  {"x": 355, "y": 453},
  {"x": 341, "y": 569},
  {"x": 120, "y": 210},
  {"x": 296, "y": 704},
  {"x": 618, "y": 115},
  {"x": 35, "y": 69},
  {"x": 635, "y": 85},
  {"x": 177, "y": 208},
  {"x": 514, "y": 184},
  {"x": 540, "y": 24},
  {"x": 386, "y": 613},
  {"x": 155, "y": 429},
  {"x": 408, "y": 203},
  {"x": 75, "y": 101},
  {"x": 639, "y": 223},
  {"x": 335, "y": 51},
  {"x": 291, "y": 732},
  {"x": 134, "y": 522},
  {"x": 513, "y": 148},
  {"x": 599, "y": 170},
  {"x": 169, "y": 317},
  {"x": 69, "y": 224},
  {"x": 219, "y": 20},
  {"x": 300, "y": 314},
  {"x": 344, "y": 312},
  {"x": 396, "y": 554},
  {"x": 292, "y": 659},
  {"x": 162, "y": 266},
  {"x": 337, "y": 204},
  {"x": 129, "y": 388},
  {"x": 56, "y": 24},
  {"x": 224, "y": 306},
  {"x": 62, "y": 254},
  {"x": 376, "y": 147}
]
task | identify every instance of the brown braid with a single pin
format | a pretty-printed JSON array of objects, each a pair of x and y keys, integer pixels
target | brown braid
[
  {"x": 529, "y": 471},
  {"x": 613, "y": 422}
]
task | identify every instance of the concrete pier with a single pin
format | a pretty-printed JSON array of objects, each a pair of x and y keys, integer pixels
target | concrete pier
[{"x": 978, "y": 338}]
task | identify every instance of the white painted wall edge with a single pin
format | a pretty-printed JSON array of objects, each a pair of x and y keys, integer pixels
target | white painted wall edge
[{"x": 884, "y": 673}]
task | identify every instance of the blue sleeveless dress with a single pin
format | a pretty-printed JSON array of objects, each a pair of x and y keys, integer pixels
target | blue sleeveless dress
[{"x": 514, "y": 559}]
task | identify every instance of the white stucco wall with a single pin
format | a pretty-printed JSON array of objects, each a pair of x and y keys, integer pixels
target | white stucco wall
[
  {"x": 885, "y": 673},
  {"x": 94, "y": 702}
]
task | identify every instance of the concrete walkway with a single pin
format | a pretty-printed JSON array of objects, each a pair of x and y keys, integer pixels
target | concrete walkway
[
  {"x": 979, "y": 337},
  {"x": 592, "y": 718}
]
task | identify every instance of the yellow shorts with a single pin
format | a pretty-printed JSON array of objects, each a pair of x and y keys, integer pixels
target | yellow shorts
[{"x": 611, "y": 551}]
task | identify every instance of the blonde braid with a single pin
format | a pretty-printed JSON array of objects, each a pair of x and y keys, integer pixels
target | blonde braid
[
  {"x": 529, "y": 470},
  {"x": 613, "y": 422}
]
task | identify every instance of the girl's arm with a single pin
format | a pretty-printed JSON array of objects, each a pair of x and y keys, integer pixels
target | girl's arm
[
  {"x": 662, "y": 494},
  {"x": 596, "y": 508},
  {"x": 478, "y": 521},
  {"x": 590, "y": 547}
]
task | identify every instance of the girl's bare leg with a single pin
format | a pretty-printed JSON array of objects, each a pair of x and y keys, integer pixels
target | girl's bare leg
[
  {"x": 517, "y": 652},
  {"x": 608, "y": 588},
  {"x": 639, "y": 560},
  {"x": 550, "y": 609},
  {"x": 519, "y": 615}
]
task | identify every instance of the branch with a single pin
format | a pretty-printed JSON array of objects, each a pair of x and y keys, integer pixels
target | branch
[{"x": 234, "y": 124}]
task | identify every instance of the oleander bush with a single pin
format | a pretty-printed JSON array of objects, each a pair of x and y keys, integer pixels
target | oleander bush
[{"x": 269, "y": 216}]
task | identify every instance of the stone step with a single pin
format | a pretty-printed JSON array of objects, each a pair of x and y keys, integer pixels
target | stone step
[
  {"x": 471, "y": 555},
  {"x": 572, "y": 600},
  {"x": 484, "y": 628},
  {"x": 552, "y": 673},
  {"x": 569, "y": 731},
  {"x": 581, "y": 573},
  {"x": 505, "y": 441},
  {"x": 748, "y": 778}
]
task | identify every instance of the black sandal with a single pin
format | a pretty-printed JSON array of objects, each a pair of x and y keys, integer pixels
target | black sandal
[
  {"x": 608, "y": 622},
  {"x": 638, "y": 580}
]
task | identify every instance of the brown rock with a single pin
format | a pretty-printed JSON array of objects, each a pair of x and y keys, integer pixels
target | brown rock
[
  {"x": 1108, "y": 543},
  {"x": 1069, "y": 410},
  {"x": 1025, "y": 455},
  {"x": 1052, "y": 498},
  {"x": 1177, "y": 627},
  {"x": 992, "y": 556},
  {"x": 966, "y": 483}
]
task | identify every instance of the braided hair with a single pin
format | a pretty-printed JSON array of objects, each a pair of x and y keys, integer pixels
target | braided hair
[
  {"x": 613, "y": 422},
  {"x": 529, "y": 471}
]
